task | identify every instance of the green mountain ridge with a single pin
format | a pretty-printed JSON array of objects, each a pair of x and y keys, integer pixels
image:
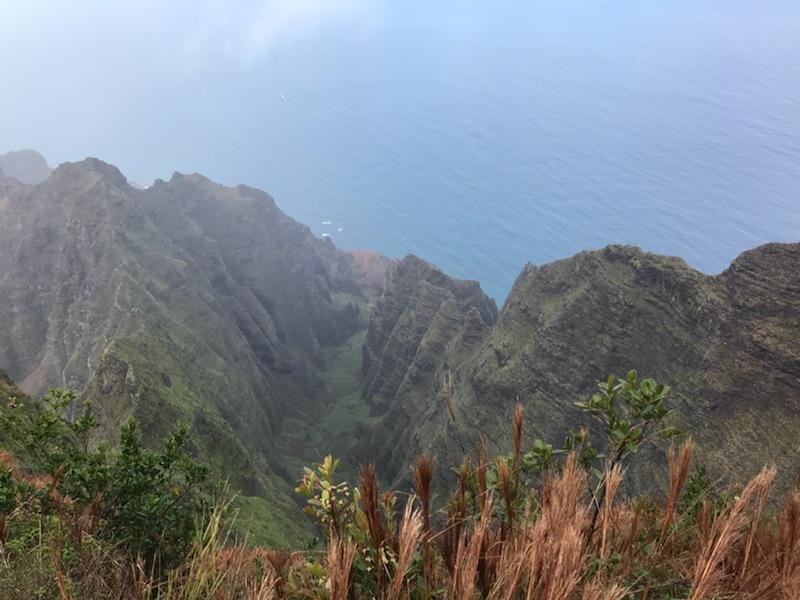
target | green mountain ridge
[
  {"x": 187, "y": 302},
  {"x": 204, "y": 304},
  {"x": 729, "y": 345}
]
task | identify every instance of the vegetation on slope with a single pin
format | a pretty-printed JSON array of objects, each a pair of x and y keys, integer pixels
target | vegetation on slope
[
  {"x": 58, "y": 484},
  {"x": 541, "y": 522},
  {"x": 729, "y": 344},
  {"x": 186, "y": 302},
  {"x": 313, "y": 430}
]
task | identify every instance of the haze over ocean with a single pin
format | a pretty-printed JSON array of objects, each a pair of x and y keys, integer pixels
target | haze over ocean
[{"x": 478, "y": 135}]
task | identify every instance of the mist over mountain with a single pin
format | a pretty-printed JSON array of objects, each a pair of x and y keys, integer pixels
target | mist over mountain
[
  {"x": 185, "y": 302},
  {"x": 198, "y": 303},
  {"x": 27, "y": 166}
]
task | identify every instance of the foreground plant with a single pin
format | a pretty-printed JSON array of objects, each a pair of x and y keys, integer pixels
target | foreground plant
[
  {"x": 545, "y": 523},
  {"x": 70, "y": 500}
]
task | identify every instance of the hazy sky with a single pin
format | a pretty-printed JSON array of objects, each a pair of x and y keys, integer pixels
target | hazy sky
[
  {"x": 153, "y": 85},
  {"x": 116, "y": 79},
  {"x": 103, "y": 78}
]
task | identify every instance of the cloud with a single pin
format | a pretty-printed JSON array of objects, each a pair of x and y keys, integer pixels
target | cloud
[
  {"x": 185, "y": 33},
  {"x": 251, "y": 31}
]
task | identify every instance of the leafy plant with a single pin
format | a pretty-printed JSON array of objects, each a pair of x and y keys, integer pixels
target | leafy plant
[
  {"x": 334, "y": 505},
  {"x": 142, "y": 501}
]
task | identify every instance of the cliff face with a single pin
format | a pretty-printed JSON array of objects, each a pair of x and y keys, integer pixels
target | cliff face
[
  {"x": 373, "y": 267},
  {"x": 423, "y": 325},
  {"x": 567, "y": 324},
  {"x": 187, "y": 302},
  {"x": 729, "y": 345},
  {"x": 194, "y": 302},
  {"x": 752, "y": 413},
  {"x": 95, "y": 260}
]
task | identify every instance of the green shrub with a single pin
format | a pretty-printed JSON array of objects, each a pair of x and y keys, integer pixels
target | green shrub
[{"x": 143, "y": 502}]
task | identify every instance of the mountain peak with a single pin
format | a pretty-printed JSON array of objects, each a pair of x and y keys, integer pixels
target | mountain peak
[
  {"x": 192, "y": 178},
  {"x": 92, "y": 165}
]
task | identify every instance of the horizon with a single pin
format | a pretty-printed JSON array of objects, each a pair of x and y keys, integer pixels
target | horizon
[{"x": 477, "y": 137}]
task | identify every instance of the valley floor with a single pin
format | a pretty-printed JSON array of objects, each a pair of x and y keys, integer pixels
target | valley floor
[{"x": 328, "y": 426}]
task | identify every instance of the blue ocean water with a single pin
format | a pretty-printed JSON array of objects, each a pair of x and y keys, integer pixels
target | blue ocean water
[
  {"x": 481, "y": 135},
  {"x": 501, "y": 140}
]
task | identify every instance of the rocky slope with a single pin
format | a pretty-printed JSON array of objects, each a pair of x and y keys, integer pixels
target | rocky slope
[
  {"x": 729, "y": 345},
  {"x": 187, "y": 301},
  {"x": 423, "y": 324},
  {"x": 194, "y": 302}
]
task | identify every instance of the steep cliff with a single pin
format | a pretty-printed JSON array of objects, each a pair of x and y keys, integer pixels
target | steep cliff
[
  {"x": 186, "y": 302},
  {"x": 729, "y": 345},
  {"x": 423, "y": 325}
]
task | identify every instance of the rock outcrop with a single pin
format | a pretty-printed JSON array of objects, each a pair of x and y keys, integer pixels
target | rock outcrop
[{"x": 374, "y": 267}]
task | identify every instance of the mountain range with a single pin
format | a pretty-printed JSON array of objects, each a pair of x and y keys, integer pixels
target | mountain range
[{"x": 193, "y": 302}]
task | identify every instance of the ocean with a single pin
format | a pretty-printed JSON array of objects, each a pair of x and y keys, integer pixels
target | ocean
[
  {"x": 496, "y": 141},
  {"x": 482, "y": 135}
]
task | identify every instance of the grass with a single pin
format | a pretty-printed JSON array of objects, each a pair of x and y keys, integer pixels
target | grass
[
  {"x": 504, "y": 533},
  {"x": 736, "y": 552},
  {"x": 494, "y": 539},
  {"x": 260, "y": 521},
  {"x": 230, "y": 454}
]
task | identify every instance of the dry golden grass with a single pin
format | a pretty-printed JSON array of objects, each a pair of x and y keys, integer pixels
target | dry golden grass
[
  {"x": 726, "y": 532},
  {"x": 495, "y": 540},
  {"x": 410, "y": 536},
  {"x": 678, "y": 463},
  {"x": 742, "y": 551}
]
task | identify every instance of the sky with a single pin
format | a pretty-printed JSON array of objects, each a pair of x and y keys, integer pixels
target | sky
[
  {"x": 91, "y": 76},
  {"x": 107, "y": 79},
  {"x": 118, "y": 79}
]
